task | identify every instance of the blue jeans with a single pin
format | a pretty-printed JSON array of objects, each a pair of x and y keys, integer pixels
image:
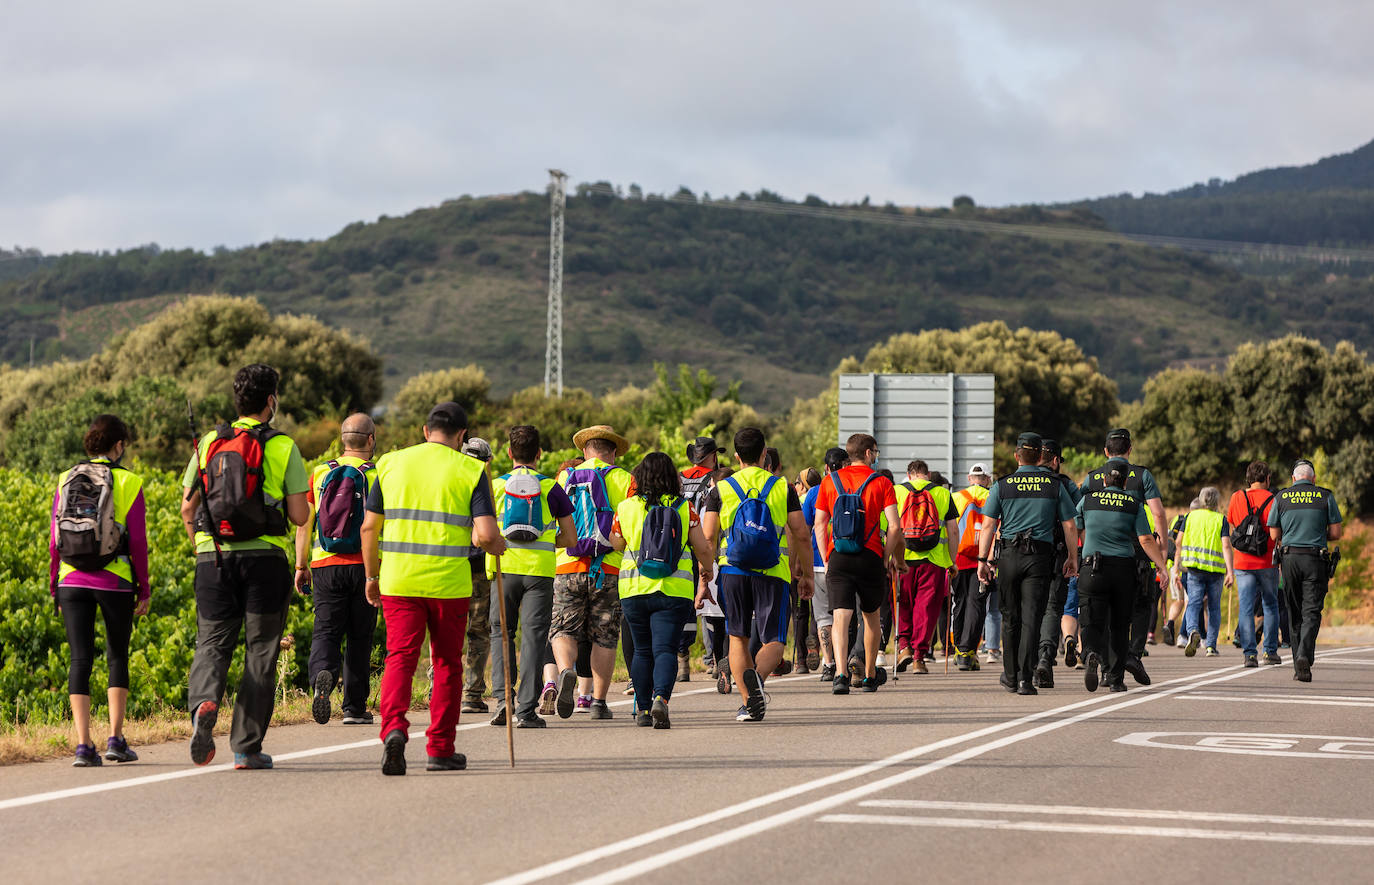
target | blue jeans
[
  {"x": 992, "y": 626},
  {"x": 656, "y": 622},
  {"x": 1203, "y": 587},
  {"x": 1264, "y": 584},
  {"x": 1071, "y": 601}
]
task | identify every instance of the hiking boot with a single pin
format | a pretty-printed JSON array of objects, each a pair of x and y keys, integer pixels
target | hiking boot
[
  {"x": 753, "y": 689},
  {"x": 1044, "y": 676},
  {"x": 258, "y": 761},
  {"x": 904, "y": 659},
  {"x": 1168, "y": 631},
  {"x": 684, "y": 667},
  {"x": 477, "y": 706},
  {"x": 530, "y": 721},
  {"x": 723, "y": 679},
  {"x": 869, "y": 684},
  {"x": 1302, "y": 670},
  {"x": 800, "y": 667},
  {"x": 203, "y": 732},
  {"x": 659, "y": 713},
  {"x": 320, "y": 707},
  {"x": 1194, "y": 640},
  {"x": 643, "y": 719},
  {"x": 919, "y": 666},
  {"x": 1070, "y": 652},
  {"x": 840, "y": 684},
  {"x": 117, "y": 750},
  {"x": 394, "y": 752},
  {"x": 362, "y": 718},
  {"x": 1025, "y": 688},
  {"x": 599, "y": 710},
  {"x": 1137, "y": 670},
  {"x": 566, "y": 693},
  {"x": 500, "y": 717},
  {"x": 813, "y": 654},
  {"x": 856, "y": 669},
  {"x": 456, "y": 762},
  {"x": 1251, "y": 661},
  {"x": 1007, "y": 682},
  {"x": 1272, "y": 659},
  {"x": 86, "y": 757},
  {"x": 828, "y": 673},
  {"x": 1092, "y": 671}
]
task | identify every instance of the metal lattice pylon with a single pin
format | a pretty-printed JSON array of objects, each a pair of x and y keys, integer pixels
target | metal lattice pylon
[{"x": 553, "y": 352}]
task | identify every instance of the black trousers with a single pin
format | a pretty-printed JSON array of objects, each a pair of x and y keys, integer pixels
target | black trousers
[
  {"x": 1054, "y": 610},
  {"x": 968, "y": 610},
  {"x": 1142, "y": 609},
  {"x": 342, "y": 636},
  {"x": 1106, "y": 603},
  {"x": 1304, "y": 592},
  {"x": 79, "y": 605},
  {"x": 1024, "y": 582}
]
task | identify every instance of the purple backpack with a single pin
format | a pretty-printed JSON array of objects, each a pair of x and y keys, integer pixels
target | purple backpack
[
  {"x": 339, "y": 512},
  {"x": 593, "y": 515}
]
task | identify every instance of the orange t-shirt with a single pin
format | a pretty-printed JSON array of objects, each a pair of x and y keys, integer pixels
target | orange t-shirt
[{"x": 879, "y": 495}]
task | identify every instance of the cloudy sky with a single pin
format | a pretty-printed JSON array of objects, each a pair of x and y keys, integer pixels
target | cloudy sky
[{"x": 193, "y": 124}]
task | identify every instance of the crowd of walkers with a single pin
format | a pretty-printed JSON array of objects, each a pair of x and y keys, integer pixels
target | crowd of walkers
[{"x": 541, "y": 578}]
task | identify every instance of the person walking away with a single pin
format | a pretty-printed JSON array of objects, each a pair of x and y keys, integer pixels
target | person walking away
[
  {"x": 428, "y": 509},
  {"x": 1304, "y": 518},
  {"x": 1025, "y": 505},
  {"x": 1204, "y": 555},
  {"x": 859, "y": 560},
  {"x": 98, "y": 560},
  {"x": 238, "y": 521},
  {"x": 752, "y": 523},
  {"x": 1257, "y": 578},
  {"x": 1140, "y": 483},
  {"x": 930, "y": 532},
  {"x": 695, "y": 484},
  {"x": 534, "y": 516},
  {"x": 1173, "y": 624},
  {"x": 586, "y": 600},
  {"x": 653, "y": 528},
  {"x": 329, "y": 569},
  {"x": 712, "y": 615},
  {"x": 1112, "y": 522},
  {"x": 835, "y": 459},
  {"x": 477, "y": 644},
  {"x": 968, "y": 596},
  {"x": 1051, "y": 459},
  {"x": 806, "y": 654}
]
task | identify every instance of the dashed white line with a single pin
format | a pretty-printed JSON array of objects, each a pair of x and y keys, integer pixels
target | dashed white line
[{"x": 1225, "y": 817}]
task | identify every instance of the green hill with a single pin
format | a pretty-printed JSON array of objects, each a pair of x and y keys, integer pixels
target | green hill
[{"x": 771, "y": 298}]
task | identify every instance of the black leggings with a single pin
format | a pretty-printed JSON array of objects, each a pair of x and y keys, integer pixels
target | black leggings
[{"x": 78, "y": 614}]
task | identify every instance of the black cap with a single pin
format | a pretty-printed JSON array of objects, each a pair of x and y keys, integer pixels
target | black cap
[
  {"x": 447, "y": 417},
  {"x": 836, "y": 458},
  {"x": 1028, "y": 440},
  {"x": 701, "y": 447},
  {"x": 1119, "y": 433},
  {"x": 1051, "y": 446}
]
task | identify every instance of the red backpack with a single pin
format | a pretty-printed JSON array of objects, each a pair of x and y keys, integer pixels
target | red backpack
[
  {"x": 920, "y": 520},
  {"x": 234, "y": 507}
]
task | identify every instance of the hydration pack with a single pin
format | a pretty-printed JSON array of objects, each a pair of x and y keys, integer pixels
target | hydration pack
[
  {"x": 88, "y": 538},
  {"x": 339, "y": 514},
  {"x": 847, "y": 521},
  {"x": 660, "y": 543},
  {"x": 920, "y": 520},
  {"x": 752, "y": 542},
  {"x": 522, "y": 507},
  {"x": 235, "y": 508}
]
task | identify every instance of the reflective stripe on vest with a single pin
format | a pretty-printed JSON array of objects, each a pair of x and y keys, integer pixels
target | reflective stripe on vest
[
  {"x": 427, "y": 532},
  {"x": 632, "y": 513},
  {"x": 126, "y": 488},
  {"x": 1200, "y": 547},
  {"x": 533, "y": 558},
  {"x": 752, "y": 479}
]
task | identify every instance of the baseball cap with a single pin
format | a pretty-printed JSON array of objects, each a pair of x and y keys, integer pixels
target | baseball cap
[
  {"x": 1028, "y": 440},
  {"x": 701, "y": 448},
  {"x": 1119, "y": 433},
  {"x": 979, "y": 469},
  {"x": 448, "y": 416},
  {"x": 1051, "y": 446},
  {"x": 476, "y": 447}
]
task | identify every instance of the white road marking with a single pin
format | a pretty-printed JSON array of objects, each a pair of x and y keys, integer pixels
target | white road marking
[
  {"x": 1261, "y": 699},
  {"x": 1137, "y": 813},
  {"x": 1100, "y": 829},
  {"x": 1255, "y": 744},
  {"x": 1357, "y": 663},
  {"x": 743, "y": 831},
  {"x": 125, "y": 783}
]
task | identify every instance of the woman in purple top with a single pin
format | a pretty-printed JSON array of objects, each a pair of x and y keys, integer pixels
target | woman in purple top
[{"x": 98, "y": 552}]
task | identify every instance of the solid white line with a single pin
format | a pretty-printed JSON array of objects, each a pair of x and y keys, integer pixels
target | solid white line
[
  {"x": 1139, "y": 813},
  {"x": 753, "y": 828},
  {"x": 1356, "y": 663},
  {"x": 1262, "y": 700},
  {"x": 1098, "y": 829},
  {"x": 1320, "y": 697},
  {"x": 417, "y": 734}
]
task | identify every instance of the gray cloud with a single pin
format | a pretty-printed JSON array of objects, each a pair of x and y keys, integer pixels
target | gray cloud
[{"x": 127, "y": 123}]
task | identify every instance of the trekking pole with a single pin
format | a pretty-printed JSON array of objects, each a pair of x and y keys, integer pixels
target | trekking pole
[
  {"x": 895, "y": 653},
  {"x": 505, "y": 661},
  {"x": 1230, "y": 610}
]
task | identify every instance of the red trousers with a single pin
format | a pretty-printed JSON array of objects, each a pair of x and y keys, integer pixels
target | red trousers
[
  {"x": 920, "y": 596},
  {"x": 407, "y": 618}
]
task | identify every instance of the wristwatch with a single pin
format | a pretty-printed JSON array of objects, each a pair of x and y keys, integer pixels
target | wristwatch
[{"x": 372, "y": 579}]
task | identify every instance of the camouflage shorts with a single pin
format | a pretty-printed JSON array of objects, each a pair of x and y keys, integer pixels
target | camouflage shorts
[{"x": 584, "y": 611}]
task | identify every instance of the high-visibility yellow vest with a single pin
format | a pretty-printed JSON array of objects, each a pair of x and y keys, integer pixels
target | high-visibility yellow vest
[
  {"x": 939, "y": 554},
  {"x": 632, "y": 512},
  {"x": 751, "y": 480},
  {"x": 1201, "y": 545},
  {"x": 127, "y": 485},
  {"x": 427, "y": 534},
  {"x": 536, "y": 558}
]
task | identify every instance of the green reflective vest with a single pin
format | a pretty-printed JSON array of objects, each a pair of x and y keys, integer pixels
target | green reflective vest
[
  {"x": 631, "y": 513},
  {"x": 427, "y": 534},
  {"x": 1200, "y": 547},
  {"x": 535, "y": 558},
  {"x": 939, "y": 554},
  {"x": 752, "y": 480},
  {"x": 126, "y": 488}
]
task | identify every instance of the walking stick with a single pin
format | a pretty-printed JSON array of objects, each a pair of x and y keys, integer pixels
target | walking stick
[
  {"x": 895, "y": 622},
  {"x": 505, "y": 661},
  {"x": 1230, "y": 610}
]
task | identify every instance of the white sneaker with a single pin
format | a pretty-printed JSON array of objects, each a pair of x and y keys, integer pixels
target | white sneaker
[
  {"x": 994, "y": 656},
  {"x": 882, "y": 660},
  {"x": 1182, "y": 641}
]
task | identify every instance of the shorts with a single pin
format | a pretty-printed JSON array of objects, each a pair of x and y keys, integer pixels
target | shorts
[
  {"x": 820, "y": 600},
  {"x": 851, "y": 577},
  {"x": 1071, "y": 599},
  {"x": 584, "y": 611},
  {"x": 761, "y": 601}
]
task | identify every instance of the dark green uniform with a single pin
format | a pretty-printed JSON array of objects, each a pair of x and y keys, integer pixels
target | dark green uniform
[
  {"x": 1140, "y": 484},
  {"x": 1050, "y": 625},
  {"x": 1029, "y": 503},
  {"x": 1111, "y": 520},
  {"x": 1302, "y": 512}
]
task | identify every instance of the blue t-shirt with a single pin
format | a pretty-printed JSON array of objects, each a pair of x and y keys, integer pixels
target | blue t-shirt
[{"x": 809, "y": 514}]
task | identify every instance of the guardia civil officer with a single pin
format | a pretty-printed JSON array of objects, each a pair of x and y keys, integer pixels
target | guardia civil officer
[
  {"x": 1051, "y": 460},
  {"x": 1140, "y": 484},
  {"x": 1304, "y": 517},
  {"x": 1113, "y": 523},
  {"x": 1025, "y": 505}
]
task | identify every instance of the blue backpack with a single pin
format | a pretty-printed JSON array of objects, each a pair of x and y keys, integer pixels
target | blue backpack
[
  {"x": 339, "y": 512},
  {"x": 752, "y": 542},
  {"x": 593, "y": 515},
  {"x": 847, "y": 518},
  {"x": 522, "y": 507},
  {"x": 660, "y": 543}
]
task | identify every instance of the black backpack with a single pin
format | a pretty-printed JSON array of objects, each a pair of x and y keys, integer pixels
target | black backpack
[{"x": 1251, "y": 535}]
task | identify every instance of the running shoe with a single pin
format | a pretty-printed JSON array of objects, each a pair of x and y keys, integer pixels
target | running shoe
[
  {"x": 828, "y": 673},
  {"x": 474, "y": 706},
  {"x": 394, "y": 752},
  {"x": 1168, "y": 631},
  {"x": 643, "y": 719},
  {"x": 753, "y": 690},
  {"x": 659, "y": 713},
  {"x": 1251, "y": 661},
  {"x": 783, "y": 668},
  {"x": 1212, "y": 652},
  {"x": 882, "y": 659},
  {"x": 203, "y": 732},
  {"x": 1194, "y": 640},
  {"x": 1302, "y": 670},
  {"x": 320, "y": 707},
  {"x": 117, "y": 750},
  {"x": 584, "y": 703},
  {"x": 962, "y": 662},
  {"x": 1070, "y": 652},
  {"x": 530, "y": 721},
  {"x": 252, "y": 761},
  {"x": 1150, "y": 639},
  {"x": 929, "y": 657},
  {"x": 363, "y": 718},
  {"x": 1272, "y": 659},
  {"x": 1136, "y": 668},
  {"x": 994, "y": 656},
  {"x": 548, "y": 700},
  {"x": 599, "y": 710},
  {"x": 1285, "y": 644},
  {"x": 813, "y": 653},
  {"x": 1092, "y": 671},
  {"x": 745, "y": 716},
  {"x": 973, "y": 662},
  {"x": 456, "y": 762},
  {"x": 723, "y": 679},
  {"x": 86, "y": 757},
  {"x": 840, "y": 684},
  {"x": 629, "y": 689},
  {"x": 566, "y": 694}
]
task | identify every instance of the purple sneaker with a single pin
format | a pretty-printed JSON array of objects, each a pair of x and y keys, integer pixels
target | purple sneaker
[
  {"x": 584, "y": 703},
  {"x": 86, "y": 757},
  {"x": 117, "y": 750}
]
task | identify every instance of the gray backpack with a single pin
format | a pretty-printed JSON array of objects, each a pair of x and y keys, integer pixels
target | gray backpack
[{"x": 88, "y": 538}]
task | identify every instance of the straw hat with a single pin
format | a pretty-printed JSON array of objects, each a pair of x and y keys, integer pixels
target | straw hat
[{"x": 601, "y": 431}]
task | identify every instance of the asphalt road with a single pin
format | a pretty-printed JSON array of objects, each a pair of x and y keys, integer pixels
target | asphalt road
[{"x": 1215, "y": 773}]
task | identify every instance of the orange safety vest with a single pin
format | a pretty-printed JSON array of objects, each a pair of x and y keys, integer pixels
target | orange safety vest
[{"x": 969, "y": 502}]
